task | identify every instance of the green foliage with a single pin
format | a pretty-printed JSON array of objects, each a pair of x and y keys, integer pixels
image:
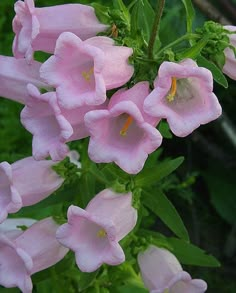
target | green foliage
[
  {"x": 216, "y": 72},
  {"x": 159, "y": 204}
]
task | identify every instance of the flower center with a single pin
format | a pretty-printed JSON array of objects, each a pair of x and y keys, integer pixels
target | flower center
[
  {"x": 101, "y": 233},
  {"x": 87, "y": 74},
  {"x": 166, "y": 290},
  {"x": 127, "y": 124},
  {"x": 170, "y": 97}
]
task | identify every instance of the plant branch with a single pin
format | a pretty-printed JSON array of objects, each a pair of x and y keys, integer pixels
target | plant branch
[
  {"x": 211, "y": 11},
  {"x": 155, "y": 28}
]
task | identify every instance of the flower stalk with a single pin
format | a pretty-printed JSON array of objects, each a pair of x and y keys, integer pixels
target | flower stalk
[{"x": 155, "y": 28}]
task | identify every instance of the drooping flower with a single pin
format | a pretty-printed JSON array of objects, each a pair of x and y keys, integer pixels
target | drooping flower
[
  {"x": 123, "y": 133},
  {"x": 37, "y": 29},
  {"x": 51, "y": 125},
  {"x": 82, "y": 71},
  {"x": 25, "y": 253},
  {"x": 93, "y": 234},
  {"x": 183, "y": 95},
  {"x": 15, "y": 74},
  {"x": 162, "y": 273},
  {"x": 25, "y": 183},
  {"x": 229, "y": 67}
]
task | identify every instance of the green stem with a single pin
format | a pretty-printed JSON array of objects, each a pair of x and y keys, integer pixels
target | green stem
[
  {"x": 176, "y": 42},
  {"x": 98, "y": 177},
  {"x": 155, "y": 28}
]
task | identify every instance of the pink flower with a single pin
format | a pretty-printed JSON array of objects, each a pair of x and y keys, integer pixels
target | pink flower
[
  {"x": 183, "y": 95},
  {"x": 15, "y": 74},
  {"x": 37, "y": 29},
  {"x": 123, "y": 133},
  {"x": 25, "y": 253},
  {"x": 162, "y": 272},
  {"x": 82, "y": 71},
  {"x": 51, "y": 125},
  {"x": 229, "y": 67},
  {"x": 93, "y": 234},
  {"x": 25, "y": 183}
]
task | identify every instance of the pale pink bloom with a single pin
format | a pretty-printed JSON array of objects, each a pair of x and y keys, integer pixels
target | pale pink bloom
[
  {"x": 51, "y": 125},
  {"x": 15, "y": 74},
  {"x": 162, "y": 273},
  {"x": 25, "y": 183},
  {"x": 123, "y": 133},
  {"x": 37, "y": 29},
  {"x": 93, "y": 234},
  {"x": 229, "y": 67},
  {"x": 82, "y": 71},
  {"x": 25, "y": 253},
  {"x": 183, "y": 95}
]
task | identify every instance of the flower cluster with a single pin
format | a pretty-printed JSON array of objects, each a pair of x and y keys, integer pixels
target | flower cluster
[{"x": 66, "y": 99}]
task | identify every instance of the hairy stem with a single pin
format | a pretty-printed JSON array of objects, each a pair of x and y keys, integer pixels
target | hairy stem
[{"x": 155, "y": 28}]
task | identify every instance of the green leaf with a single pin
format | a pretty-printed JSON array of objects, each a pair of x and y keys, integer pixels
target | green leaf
[
  {"x": 154, "y": 174},
  {"x": 159, "y": 204},
  {"x": 222, "y": 191},
  {"x": 142, "y": 17},
  {"x": 86, "y": 279},
  {"x": 130, "y": 289},
  {"x": 216, "y": 72},
  {"x": 194, "y": 51},
  {"x": 190, "y": 254},
  {"x": 190, "y": 14},
  {"x": 120, "y": 6},
  {"x": 164, "y": 129}
]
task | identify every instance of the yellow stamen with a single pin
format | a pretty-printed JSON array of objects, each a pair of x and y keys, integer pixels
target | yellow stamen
[
  {"x": 127, "y": 124},
  {"x": 101, "y": 233},
  {"x": 87, "y": 74},
  {"x": 173, "y": 89},
  {"x": 166, "y": 290}
]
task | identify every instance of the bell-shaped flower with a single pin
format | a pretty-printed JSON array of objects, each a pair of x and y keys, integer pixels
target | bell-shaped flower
[
  {"x": 93, "y": 234},
  {"x": 25, "y": 183},
  {"x": 183, "y": 94},
  {"x": 82, "y": 71},
  {"x": 123, "y": 133},
  {"x": 37, "y": 29},
  {"x": 51, "y": 125},
  {"x": 229, "y": 67},
  {"x": 15, "y": 74},
  {"x": 162, "y": 273},
  {"x": 25, "y": 253}
]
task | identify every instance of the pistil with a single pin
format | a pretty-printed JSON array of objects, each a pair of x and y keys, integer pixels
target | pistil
[
  {"x": 170, "y": 97},
  {"x": 87, "y": 74},
  {"x": 127, "y": 124},
  {"x": 101, "y": 233}
]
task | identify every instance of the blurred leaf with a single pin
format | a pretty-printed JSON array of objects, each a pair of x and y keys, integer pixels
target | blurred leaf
[
  {"x": 190, "y": 14},
  {"x": 164, "y": 129},
  {"x": 86, "y": 279},
  {"x": 216, "y": 72},
  {"x": 190, "y": 254},
  {"x": 159, "y": 204},
  {"x": 222, "y": 191},
  {"x": 130, "y": 289},
  {"x": 152, "y": 175}
]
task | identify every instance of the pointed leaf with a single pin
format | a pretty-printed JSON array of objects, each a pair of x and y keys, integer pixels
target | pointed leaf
[
  {"x": 190, "y": 254},
  {"x": 152, "y": 175},
  {"x": 216, "y": 72},
  {"x": 159, "y": 204}
]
